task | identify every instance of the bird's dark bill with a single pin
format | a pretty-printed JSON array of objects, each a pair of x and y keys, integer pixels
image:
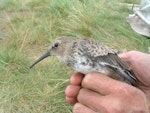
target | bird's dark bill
[{"x": 41, "y": 58}]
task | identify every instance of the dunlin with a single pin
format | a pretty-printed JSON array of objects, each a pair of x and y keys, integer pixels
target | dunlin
[{"x": 87, "y": 55}]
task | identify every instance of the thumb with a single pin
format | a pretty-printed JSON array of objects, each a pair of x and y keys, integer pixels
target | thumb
[{"x": 127, "y": 57}]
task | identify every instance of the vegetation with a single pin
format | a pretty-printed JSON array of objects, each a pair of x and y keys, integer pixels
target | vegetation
[{"x": 31, "y": 25}]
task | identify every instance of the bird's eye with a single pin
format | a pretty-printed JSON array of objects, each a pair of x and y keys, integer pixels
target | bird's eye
[{"x": 56, "y": 45}]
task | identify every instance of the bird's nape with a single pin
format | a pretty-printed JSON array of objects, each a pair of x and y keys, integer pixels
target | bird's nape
[{"x": 41, "y": 58}]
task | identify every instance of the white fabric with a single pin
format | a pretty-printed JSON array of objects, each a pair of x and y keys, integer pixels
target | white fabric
[{"x": 140, "y": 20}]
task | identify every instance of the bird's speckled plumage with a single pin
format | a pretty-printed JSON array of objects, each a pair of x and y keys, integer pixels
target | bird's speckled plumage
[{"x": 86, "y": 55}]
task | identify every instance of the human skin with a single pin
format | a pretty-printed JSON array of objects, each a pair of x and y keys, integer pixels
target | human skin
[{"x": 97, "y": 93}]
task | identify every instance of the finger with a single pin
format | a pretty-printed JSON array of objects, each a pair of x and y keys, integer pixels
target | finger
[
  {"x": 129, "y": 57},
  {"x": 126, "y": 56},
  {"x": 71, "y": 100},
  {"x": 101, "y": 83},
  {"x": 79, "y": 108},
  {"x": 91, "y": 99},
  {"x": 76, "y": 78},
  {"x": 72, "y": 91}
]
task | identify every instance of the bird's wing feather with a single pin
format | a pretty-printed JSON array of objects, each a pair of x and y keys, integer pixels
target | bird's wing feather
[
  {"x": 98, "y": 51},
  {"x": 103, "y": 54},
  {"x": 115, "y": 63},
  {"x": 94, "y": 48}
]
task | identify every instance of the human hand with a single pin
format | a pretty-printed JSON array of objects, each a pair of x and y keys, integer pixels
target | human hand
[
  {"x": 140, "y": 63},
  {"x": 94, "y": 93},
  {"x": 99, "y": 93}
]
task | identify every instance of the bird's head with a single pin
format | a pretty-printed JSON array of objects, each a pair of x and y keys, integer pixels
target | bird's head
[{"x": 57, "y": 48}]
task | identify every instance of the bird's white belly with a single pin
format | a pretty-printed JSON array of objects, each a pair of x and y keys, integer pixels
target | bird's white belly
[{"x": 86, "y": 65}]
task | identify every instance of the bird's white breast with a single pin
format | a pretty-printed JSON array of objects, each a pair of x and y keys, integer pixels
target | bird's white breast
[{"x": 86, "y": 65}]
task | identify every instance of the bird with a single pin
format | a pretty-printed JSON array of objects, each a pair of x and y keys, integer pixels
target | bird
[{"x": 90, "y": 55}]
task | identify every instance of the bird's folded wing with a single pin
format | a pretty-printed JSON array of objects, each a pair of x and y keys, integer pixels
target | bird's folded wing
[{"x": 101, "y": 53}]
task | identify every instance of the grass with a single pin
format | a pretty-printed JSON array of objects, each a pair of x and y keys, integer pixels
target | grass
[{"x": 32, "y": 25}]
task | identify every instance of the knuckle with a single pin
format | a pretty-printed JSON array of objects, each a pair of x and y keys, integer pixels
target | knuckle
[
  {"x": 123, "y": 87},
  {"x": 77, "y": 108},
  {"x": 87, "y": 79},
  {"x": 115, "y": 109},
  {"x": 80, "y": 95}
]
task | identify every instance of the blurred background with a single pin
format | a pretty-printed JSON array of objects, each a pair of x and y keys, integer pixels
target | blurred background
[{"x": 27, "y": 27}]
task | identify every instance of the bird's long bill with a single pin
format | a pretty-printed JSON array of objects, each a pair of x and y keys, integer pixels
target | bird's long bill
[{"x": 41, "y": 58}]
